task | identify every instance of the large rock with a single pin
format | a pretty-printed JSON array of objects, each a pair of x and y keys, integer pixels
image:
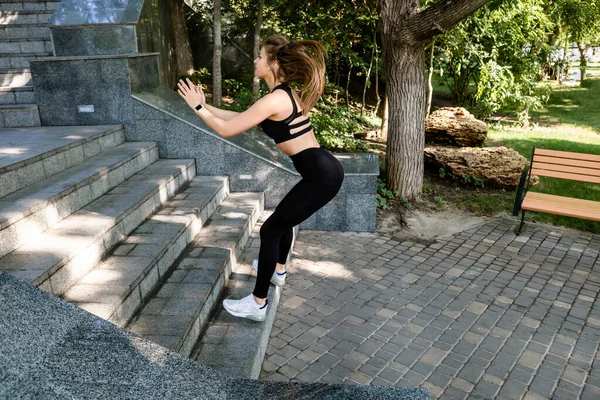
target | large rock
[
  {"x": 455, "y": 126},
  {"x": 492, "y": 166}
]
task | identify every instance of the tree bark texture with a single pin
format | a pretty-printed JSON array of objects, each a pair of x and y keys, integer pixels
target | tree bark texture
[
  {"x": 218, "y": 49},
  {"x": 384, "y": 119},
  {"x": 405, "y": 29},
  {"x": 367, "y": 78},
  {"x": 582, "y": 60},
  {"x": 348, "y": 85},
  {"x": 255, "y": 80},
  {"x": 181, "y": 43},
  {"x": 429, "y": 79}
]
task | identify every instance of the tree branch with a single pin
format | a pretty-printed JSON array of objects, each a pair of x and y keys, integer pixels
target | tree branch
[
  {"x": 237, "y": 46},
  {"x": 440, "y": 17}
]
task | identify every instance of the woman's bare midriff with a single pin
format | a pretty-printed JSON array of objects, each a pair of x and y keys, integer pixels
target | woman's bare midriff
[{"x": 296, "y": 145}]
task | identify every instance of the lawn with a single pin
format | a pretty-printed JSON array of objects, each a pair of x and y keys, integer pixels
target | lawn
[{"x": 569, "y": 122}]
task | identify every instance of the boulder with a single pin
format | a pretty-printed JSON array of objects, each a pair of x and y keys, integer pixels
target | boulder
[
  {"x": 492, "y": 166},
  {"x": 455, "y": 126}
]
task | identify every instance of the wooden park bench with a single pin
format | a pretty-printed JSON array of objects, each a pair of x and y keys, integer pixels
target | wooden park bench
[{"x": 563, "y": 165}]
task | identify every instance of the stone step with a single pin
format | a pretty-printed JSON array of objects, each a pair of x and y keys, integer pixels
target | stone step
[
  {"x": 237, "y": 346},
  {"x": 17, "y": 94},
  {"x": 66, "y": 252},
  {"x": 115, "y": 289},
  {"x": 30, "y": 155},
  {"x": 28, "y": 212},
  {"x": 176, "y": 315},
  {"x": 30, "y": 45},
  {"x": 23, "y": 31},
  {"x": 25, "y": 17},
  {"x": 28, "y": 5},
  {"x": 19, "y": 116},
  {"x": 17, "y": 61}
]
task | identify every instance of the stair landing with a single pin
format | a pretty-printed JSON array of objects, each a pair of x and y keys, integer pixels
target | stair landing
[{"x": 19, "y": 144}]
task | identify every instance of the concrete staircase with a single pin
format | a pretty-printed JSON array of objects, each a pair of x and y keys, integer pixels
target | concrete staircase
[
  {"x": 139, "y": 241},
  {"x": 24, "y": 35}
]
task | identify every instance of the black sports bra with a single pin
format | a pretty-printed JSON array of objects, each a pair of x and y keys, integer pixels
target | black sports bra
[{"x": 281, "y": 131}]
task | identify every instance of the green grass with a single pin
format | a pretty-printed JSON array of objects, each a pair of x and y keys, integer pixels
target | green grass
[
  {"x": 576, "y": 105},
  {"x": 569, "y": 122}
]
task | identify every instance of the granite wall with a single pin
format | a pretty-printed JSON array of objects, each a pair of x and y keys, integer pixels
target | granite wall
[
  {"x": 104, "y": 82},
  {"x": 100, "y": 27}
]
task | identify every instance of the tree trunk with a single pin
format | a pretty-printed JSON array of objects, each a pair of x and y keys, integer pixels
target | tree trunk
[
  {"x": 217, "y": 54},
  {"x": 563, "y": 64},
  {"x": 582, "y": 60},
  {"x": 348, "y": 86},
  {"x": 384, "y": 119},
  {"x": 405, "y": 28},
  {"x": 376, "y": 81},
  {"x": 181, "y": 43},
  {"x": 405, "y": 88},
  {"x": 362, "y": 107},
  {"x": 255, "y": 80},
  {"x": 429, "y": 85}
]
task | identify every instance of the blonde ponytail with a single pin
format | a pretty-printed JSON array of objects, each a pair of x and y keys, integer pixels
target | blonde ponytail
[{"x": 301, "y": 61}]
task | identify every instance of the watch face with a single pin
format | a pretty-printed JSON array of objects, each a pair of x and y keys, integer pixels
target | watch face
[{"x": 199, "y": 107}]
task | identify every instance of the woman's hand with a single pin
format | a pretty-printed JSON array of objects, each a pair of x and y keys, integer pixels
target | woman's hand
[{"x": 192, "y": 94}]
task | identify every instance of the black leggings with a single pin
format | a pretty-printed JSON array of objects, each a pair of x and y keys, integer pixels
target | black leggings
[{"x": 322, "y": 176}]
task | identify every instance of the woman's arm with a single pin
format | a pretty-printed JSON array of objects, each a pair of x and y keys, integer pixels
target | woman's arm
[
  {"x": 223, "y": 114},
  {"x": 196, "y": 94},
  {"x": 241, "y": 122},
  {"x": 261, "y": 110}
]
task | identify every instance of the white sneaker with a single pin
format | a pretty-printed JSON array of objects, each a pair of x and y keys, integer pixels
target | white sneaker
[
  {"x": 278, "y": 278},
  {"x": 247, "y": 308}
]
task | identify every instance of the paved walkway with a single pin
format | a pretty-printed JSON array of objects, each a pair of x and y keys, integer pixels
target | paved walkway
[{"x": 483, "y": 314}]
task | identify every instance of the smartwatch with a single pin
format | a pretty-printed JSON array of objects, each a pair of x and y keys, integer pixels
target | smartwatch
[{"x": 199, "y": 107}]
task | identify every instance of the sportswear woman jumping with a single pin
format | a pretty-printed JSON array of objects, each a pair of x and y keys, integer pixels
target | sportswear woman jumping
[{"x": 283, "y": 116}]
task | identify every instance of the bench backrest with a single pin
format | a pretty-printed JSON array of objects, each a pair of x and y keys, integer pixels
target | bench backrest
[{"x": 566, "y": 165}]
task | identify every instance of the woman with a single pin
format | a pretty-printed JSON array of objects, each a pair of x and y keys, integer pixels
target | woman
[{"x": 283, "y": 115}]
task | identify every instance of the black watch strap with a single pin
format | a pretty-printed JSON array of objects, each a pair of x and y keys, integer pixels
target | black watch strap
[{"x": 199, "y": 107}]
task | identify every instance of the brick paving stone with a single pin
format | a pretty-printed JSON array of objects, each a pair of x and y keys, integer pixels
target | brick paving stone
[
  {"x": 481, "y": 314},
  {"x": 453, "y": 393},
  {"x": 309, "y": 376},
  {"x": 590, "y": 393}
]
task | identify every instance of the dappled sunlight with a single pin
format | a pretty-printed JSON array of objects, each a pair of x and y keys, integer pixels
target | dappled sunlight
[
  {"x": 8, "y": 17},
  {"x": 325, "y": 269},
  {"x": 12, "y": 150},
  {"x": 565, "y": 106},
  {"x": 28, "y": 229},
  {"x": 102, "y": 276},
  {"x": 150, "y": 351},
  {"x": 16, "y": 80},
  {"x": 73, "y": 241},
  {"x": 74, "y": 137}
]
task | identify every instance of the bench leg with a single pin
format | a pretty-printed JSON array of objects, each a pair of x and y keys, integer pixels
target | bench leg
[{"x": 518, "y": 231}]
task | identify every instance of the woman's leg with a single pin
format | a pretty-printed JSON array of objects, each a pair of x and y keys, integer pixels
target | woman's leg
[
  {"x": 276, "y": 233},
  {"x": 285, "y": 244}
]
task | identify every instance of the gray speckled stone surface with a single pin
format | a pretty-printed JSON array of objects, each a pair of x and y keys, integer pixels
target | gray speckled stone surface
[
  {"x": 95, "y": 27},
  {"x": 102, "y": 81},
  {"x": 51, "y": 349},
  {"x": 94, "y": 40},
  {"x": 79, "y": 12}
]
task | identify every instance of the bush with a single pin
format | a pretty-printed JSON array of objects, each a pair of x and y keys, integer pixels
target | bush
[{"x": 335, "y": 124}]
